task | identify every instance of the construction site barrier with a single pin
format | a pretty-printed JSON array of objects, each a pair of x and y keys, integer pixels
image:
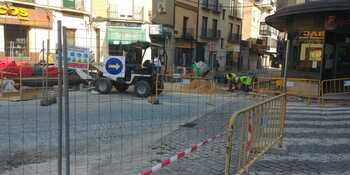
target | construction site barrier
[
  {"x": 335, "y": 86},
  {"x": 254, "y": 131},
  {"x": 308, "y": 88}
]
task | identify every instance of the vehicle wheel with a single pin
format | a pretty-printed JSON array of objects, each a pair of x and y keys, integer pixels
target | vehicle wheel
[
  {"x": 142, "y": 88},
  {"x": 121, "y": 87},
  {"x": 103, "y": 85}
]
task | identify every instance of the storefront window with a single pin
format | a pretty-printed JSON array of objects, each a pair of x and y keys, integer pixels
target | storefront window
[
  {"x": 307, "y": 49},
  {"x": 16, "y": 41}
]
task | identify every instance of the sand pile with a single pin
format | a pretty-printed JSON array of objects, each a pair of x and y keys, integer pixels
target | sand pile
[{"x": 200, "y": 86}]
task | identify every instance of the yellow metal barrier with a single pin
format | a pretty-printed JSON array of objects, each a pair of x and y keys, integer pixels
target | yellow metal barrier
[
  {"x": 252, "y": 132},
  {"x": 268, "y": 85},
  {"x": 308, "y": 88},
  {"x": 335, "y": 86}
]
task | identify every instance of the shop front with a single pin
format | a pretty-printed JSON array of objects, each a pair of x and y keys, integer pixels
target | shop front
[
  {"x": 119, "y": 38},
  {"x": 232, "y": 57},
  {"x": 318, "y": 38},
  {"x": 16, "y": 24},
  {"x": 320, "y": 53},
  {"x": 184, "y": 53}
]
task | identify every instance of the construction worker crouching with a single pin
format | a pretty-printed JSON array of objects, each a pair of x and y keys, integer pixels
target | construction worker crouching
[
  {"x": 246, "y": 83},
  {"x": 232, "y": 81}
]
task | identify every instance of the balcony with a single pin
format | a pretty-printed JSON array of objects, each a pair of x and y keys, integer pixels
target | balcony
[
  {"x": 265, "y": 4},
  {"x": 234, "y": 38},
  {"x": 236, "y": 11},
  {"x": 136, "y": 16},
  {"x": 265, "y": 32},
  {"x": 215, "y": 7},
  {"x": 211, "y": 34},
  {"x": 265, "y": 29},
  {"x": 185, "y": 34}
]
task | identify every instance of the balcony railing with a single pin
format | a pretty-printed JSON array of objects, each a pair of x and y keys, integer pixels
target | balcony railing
[
  {"x": 188, "y": 34},
  {"x": 234, "y": 38},
  {"x": 217, "y": 8},
  {"x": 267, "y": 4},
  {"x": 236, "y": 11},
  {"x": 214, "y": 6},
  {"x": 211, "y": 34},
  {"x": 136, "y": 15},
  {"x": 265, "y": 32}
]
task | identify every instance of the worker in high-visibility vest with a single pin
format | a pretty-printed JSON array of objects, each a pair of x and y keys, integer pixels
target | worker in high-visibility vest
[
  {"x": 246, "y": 82},
  {"x": 232, "y": 81}
]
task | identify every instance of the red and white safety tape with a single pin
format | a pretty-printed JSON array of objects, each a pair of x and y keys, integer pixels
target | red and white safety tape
[
  {"x": 250, "y": 135},
  {"x": 180, "y": 155}
]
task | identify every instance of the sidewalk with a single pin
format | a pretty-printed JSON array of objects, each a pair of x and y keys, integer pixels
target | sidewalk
[{"x": 317, "y": 141}]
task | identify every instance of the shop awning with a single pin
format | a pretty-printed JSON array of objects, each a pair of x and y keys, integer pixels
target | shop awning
[{"x": 125, "y": 35}]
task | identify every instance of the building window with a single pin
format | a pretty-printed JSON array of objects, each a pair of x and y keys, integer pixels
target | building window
[
  {"x": 70, "y": 37},
  {"x": 264, "y": 29},
  {"x": 69, "y": 4},
  {"x": 16, "y": 41},
  {"x": 231, "y": 28},
  {"x": 222, "y": 43},
  {"x": 215, "y": 27},
  {"x": 204, "y": 25},
  {"x": 223, "y": 14},
  {"x": 184, "y": 25},
  {"x": 238, "y": 29},
  {"x": 232, "y": 7}
]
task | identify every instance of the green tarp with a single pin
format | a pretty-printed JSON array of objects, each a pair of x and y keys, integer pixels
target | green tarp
[{"x": 125, "y": 35}]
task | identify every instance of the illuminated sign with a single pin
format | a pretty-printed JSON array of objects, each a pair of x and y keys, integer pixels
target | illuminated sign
[
  {"x": 20, "y": 13},
  {"x": 312, "y": 34}
]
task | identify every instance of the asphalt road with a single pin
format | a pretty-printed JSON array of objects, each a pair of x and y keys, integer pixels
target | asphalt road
[{"x": 106, "y": 130}]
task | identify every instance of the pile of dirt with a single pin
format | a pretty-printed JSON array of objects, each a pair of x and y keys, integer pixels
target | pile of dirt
[{"x": 200, "y": 86}]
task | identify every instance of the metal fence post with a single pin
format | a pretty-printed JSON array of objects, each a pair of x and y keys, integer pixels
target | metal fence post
[
  {"x": 59, "y": 62},
  {"x": 66, "y": 101},
  {"x": 47, "y": 70}
]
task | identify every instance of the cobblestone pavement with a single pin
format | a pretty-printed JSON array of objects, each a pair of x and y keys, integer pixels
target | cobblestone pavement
[
  {"x": 207, "y": 126},
  {"x": 317, "y": 141}
]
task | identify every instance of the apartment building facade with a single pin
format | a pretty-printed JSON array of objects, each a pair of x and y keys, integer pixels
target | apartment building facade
[
  {"x": 219, "y": 30},
  {"x": 260, "y": 40},
  {"x": 162, "y": 30},
  {"x": 185, "y": 31},
  {"x": 26, "y": 25},
  {"x": 232, "y": 33},
  {"x": 318, "y": 37},
  {"x": 118, "y": 23}
]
